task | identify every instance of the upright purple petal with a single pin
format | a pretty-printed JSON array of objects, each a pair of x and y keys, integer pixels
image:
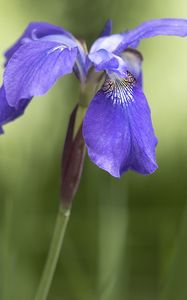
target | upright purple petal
[
  {"x": 148, "y": 29},
  {"x": 118, "y": 129},
  {"x": 107, "y": 29},
  {"x": 35, "y": 67},
  {"x": 36, "y": 29},
  {"x": 8, "y": 113},
  {"x": 109, "y": 43}
]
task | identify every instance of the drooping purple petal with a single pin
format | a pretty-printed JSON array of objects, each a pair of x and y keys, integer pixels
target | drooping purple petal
[
  {"x": 8, "y": 113},
  {"x": 39, "y": 30},
  {"x": 118, "y": 129},
  {"x": 148, "y": 29},
  {"x": 117, "y": 43},
  {"x": 35, "y": 67},
  {"x": 80, "y": 68},
  {"x": 107, "y": 29}
]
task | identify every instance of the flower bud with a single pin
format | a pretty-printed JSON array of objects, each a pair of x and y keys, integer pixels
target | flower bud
[{"x": 72, "y": 161}]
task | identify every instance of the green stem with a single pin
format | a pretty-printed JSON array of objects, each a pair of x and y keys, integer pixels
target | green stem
[{"x": 53, "y": 255}]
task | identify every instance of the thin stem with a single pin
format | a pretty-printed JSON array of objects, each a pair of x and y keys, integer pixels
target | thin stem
[{"x": 53, "y": 255}]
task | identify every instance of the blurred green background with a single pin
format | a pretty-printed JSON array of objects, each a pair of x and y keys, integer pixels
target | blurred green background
[{"x": 127, "y": 238}]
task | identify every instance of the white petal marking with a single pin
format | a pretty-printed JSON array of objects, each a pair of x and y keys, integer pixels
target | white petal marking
[{"x": 120, "y": 90}]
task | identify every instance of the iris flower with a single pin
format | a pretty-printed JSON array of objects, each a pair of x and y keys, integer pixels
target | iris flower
[{"x": 117, "y": 127}]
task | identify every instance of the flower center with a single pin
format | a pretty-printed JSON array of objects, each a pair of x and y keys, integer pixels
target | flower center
[{"x": 119, "y": 90}]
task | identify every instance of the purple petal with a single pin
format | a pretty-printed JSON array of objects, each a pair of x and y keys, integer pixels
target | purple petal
[
  {"x": 107, "y": 29},
  {"x": 152, "y": 28},
  {"x": 130, "y": 60},
  {"x": 117, "y": 43},
  {"x": 38, "y": 29},
  {"x": 133, "y": 59},
  {"x": 104, "y": 60},
  {"x": 8, "y": 113},
  {"x": 108, "y": 43},
  {"x": 118, "y": 129},
  {"x": 35, "y": 67},
  {"x": 80, "y": 68}
]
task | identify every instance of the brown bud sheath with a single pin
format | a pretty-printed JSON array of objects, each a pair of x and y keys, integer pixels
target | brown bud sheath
[{"x": 72, "y": 162}]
